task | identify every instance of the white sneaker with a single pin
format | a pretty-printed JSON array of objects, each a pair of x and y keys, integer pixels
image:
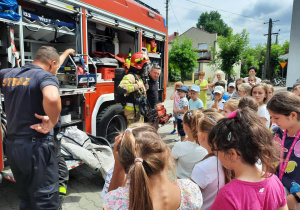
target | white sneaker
[{"x": 178, "y": 138}]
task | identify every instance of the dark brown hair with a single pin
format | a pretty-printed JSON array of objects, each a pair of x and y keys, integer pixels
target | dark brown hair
[
  {"x": 284, "y": 103},
  {"x": 46, "y": 54},
  {"x": 254, "y": 142},
  {"x": 210, "y": 110},
  {"x": 248, "y": 101},
  {"x": 190, "y": 118},
  {"x": 143, "y": 141}
]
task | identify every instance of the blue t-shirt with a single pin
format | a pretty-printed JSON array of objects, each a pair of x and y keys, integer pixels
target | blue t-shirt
[
  {"x": 198, "y": 104},
  {"x": 292, "y": 171},
  {"x": 22, "y": 88}
]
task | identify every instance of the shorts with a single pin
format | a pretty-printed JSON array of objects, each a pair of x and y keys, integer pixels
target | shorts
[
  {"x": 180, "y": 128},
  {"x": 175, "y": 118}
]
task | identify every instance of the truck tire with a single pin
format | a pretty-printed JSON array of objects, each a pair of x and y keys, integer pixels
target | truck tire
[{"x": 110, "y": 122}]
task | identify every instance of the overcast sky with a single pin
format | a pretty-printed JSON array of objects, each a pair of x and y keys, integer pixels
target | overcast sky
[{"x": 237, "y": 14}]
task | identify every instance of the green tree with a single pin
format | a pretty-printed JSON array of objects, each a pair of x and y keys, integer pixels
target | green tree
[
  {"x": 255, "y": 56},
  {"x": 230, "y": 53},
  {"x": 213, "y": 23},
  {"x": 252, "y": 56},
  {"x": 182, "y": 56}
]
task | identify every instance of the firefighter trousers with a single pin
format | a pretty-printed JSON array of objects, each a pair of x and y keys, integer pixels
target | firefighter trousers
[
  {"x": 34, "y": 166},
  {"x": 63, "y": 171},
  {"x": 132, "y": 116}
]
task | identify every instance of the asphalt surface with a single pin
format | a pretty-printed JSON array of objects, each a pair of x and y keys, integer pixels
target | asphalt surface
[{"x": 85, "y": 185}]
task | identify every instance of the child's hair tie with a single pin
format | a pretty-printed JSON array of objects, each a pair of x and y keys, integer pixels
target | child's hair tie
[
  {"x": 213, "y": 119},
  {"x": 190, "y": 115},
  {"x": 138, "y": 160},
  {"x": 128, "y": 129},
  {"x": 233, "y": 114},
  {"x": 229, "y": 136}
]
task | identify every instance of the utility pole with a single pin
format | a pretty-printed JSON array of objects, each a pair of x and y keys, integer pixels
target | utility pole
[
  {"x": 167, "y": 15},
  {"x": 267, "y": 73}
]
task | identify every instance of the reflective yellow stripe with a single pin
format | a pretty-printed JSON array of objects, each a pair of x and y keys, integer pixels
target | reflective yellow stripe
[
  {"x": 131, "y": 108},
  {"x": 62, "y": 190}
]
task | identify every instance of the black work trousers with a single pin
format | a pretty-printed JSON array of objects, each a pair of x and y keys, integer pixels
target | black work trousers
[
  {"x": 34, "y": 166},
  {"x": 63, "y": 171}
]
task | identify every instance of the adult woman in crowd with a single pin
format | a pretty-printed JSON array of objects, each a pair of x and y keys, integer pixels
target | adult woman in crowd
[{"x": 203, "y": 84}]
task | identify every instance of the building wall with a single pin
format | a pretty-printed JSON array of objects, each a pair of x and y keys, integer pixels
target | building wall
[
  {"x": 199, "y": 36},
  {"x": 294, "y": 51}
]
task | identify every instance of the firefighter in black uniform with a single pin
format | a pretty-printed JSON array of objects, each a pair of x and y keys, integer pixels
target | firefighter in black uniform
[
  {"x": 152, "y": 95},
  {"x": 32, "y": 106}
]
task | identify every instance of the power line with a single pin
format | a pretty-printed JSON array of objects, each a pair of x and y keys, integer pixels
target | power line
[
  {"x": 176, "y": 18},
  {"x": 222, "y": 16},
  {"x": 223, "y": 10}
]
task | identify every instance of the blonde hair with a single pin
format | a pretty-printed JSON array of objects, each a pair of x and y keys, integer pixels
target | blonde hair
[
  {"x": 232, "y": 104},
  {"x": 190, "y": 118},
  {"x": 245, "y": 87},
  {"x": 297, "y": 87},
  {"x": 252, "y": 77},
  {"x": 178, "y": 84},
  {"x": 142, "y": 141},
  {"x": 271, "y": 87}
]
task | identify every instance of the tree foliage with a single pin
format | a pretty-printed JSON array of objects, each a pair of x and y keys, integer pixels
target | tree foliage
[
  {"x": 230, "y": 53},
  {"x": 182, "y": 57},
  {"x": 213, "y": 23},
  {"x": 255, "y": 56}
]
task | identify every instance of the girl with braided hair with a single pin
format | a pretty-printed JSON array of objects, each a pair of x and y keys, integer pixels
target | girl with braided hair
[{"x": 145, "y": 160}]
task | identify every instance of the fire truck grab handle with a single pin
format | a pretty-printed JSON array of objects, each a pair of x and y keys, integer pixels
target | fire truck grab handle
[{"x": 87, "y": 110}]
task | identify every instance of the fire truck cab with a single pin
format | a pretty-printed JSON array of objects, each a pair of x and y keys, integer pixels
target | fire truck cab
[{"x": 98, "y": 31}]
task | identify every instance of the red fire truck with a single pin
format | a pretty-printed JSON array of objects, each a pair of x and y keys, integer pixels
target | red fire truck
[{"x": 109, "y": 27}]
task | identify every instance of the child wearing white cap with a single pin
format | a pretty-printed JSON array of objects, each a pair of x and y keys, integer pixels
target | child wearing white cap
[
  {"x": 195, "y": 102},
  {"x": 230, "y": 90},
  {"x": 218, "y": 102}
]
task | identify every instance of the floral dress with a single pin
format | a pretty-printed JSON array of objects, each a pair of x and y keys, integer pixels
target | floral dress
[{"x": 191, "y": 197}]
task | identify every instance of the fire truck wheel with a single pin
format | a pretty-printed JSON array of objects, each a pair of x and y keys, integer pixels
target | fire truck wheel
[{"x": 110, "y": 121}]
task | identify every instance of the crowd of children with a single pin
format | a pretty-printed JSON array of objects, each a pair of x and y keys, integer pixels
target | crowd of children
[{"x": 228, "y": 157}]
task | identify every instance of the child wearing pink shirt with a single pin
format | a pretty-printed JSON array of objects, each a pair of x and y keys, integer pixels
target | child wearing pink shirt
[{"x": 239, "y": 151}]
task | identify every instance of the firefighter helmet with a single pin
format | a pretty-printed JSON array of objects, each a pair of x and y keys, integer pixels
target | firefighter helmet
[{"x": 138, "y": 60}]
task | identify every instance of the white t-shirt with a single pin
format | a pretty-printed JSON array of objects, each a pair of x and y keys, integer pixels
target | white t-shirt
[
  {"x": 182, "y": 102},
  {"x": 205, "y": 175},
  {"x": 263, "y": 112},
  {"x": 221, "y": 104},
  {"x": 187, "y": 154}
]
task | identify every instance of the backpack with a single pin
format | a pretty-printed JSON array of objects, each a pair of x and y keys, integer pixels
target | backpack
[{"x": 163, "y": 117}]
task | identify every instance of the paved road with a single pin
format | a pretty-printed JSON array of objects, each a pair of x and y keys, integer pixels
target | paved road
[{"x": 85, "y": 185}]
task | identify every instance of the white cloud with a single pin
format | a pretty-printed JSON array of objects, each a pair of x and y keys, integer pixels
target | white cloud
[{"x": 183, "y": 14}]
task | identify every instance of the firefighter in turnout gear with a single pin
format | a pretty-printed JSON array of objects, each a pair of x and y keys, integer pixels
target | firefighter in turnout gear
[{"x": 133, "y": 86}]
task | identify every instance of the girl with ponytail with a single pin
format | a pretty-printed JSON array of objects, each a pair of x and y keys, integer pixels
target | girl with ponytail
[{"x": 145, "y": 160}]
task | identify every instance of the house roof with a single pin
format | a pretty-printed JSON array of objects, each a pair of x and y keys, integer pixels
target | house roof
[{"x": 172, "y": 37}]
